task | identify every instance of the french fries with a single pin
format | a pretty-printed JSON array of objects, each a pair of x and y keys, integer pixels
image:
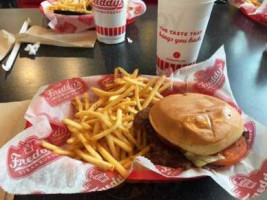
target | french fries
[
  {"x": 102, "y": 132},
  {"x": 254, "y": 2},
  {"x": 71, "y": 5}
]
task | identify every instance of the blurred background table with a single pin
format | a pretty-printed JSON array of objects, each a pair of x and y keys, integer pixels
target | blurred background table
[{"x": 244, "y": 43}]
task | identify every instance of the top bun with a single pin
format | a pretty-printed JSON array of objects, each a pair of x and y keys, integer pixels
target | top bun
[{"x": 197, "y": 123}]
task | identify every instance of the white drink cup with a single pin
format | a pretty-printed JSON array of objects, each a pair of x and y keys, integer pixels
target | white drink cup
[
  {"x": 181, "y": 27},
  {"x": 110, "y": 20}
]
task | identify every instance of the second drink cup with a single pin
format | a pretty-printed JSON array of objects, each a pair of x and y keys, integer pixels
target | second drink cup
[
  {"x": 110, "y": 20},
  {"x": 181, "y": 27}
]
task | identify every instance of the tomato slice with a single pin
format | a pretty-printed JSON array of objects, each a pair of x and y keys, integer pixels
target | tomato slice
[{"x": 234, "y": 153}]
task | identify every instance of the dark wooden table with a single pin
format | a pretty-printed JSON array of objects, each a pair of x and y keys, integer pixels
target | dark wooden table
[{"x": 244, "y": 43}]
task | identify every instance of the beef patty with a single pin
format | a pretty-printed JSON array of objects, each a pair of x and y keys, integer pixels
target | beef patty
[{"x": 160, "y": 152}]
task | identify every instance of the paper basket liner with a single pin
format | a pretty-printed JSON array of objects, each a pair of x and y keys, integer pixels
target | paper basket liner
[
  {"x": 258, "y": 14},
  {"x": 26, "y": 168}
]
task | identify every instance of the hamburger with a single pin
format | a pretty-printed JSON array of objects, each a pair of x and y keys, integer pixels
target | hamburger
[{"x": 193, "y": 128}]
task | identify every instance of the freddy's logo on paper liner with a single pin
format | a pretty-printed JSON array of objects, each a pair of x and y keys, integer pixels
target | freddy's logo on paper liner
[
  {"x": 106, "y": 79},
  {"x": 251, "y": 185},
  {"x": 108, "y": 4},
  {"x": 98, "y": 180},
  {"x": 211, "y": 79},
  {"x": 27, "y": 158},
  {"x": 139, "y": 8},
  {"x": 167, "y": 171},
  {"x": 63, "y": 91},
  {"x": 66, "y": 27},
  {"x": 250, "y": 129},
  {"x": 89, "y": 20},
  {"x": 59, "y": 135}
]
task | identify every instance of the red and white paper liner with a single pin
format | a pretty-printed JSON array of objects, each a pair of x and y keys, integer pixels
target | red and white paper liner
[
  {"x": 28, "y": 168},
  {"x": 258, "y": 14},
  {"x": 79, "y": 23}
]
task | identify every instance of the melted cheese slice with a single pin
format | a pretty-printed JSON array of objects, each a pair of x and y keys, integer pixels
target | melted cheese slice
[{"x": 200, "y": 161}]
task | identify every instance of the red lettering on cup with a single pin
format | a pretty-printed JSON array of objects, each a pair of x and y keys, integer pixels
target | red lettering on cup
[
  {"x": 106, "y": 31},
  {"x": 27, "y": 157},
  {"x": 210, "y": 80},
  {"x": 162, "y": 65},
  {"x": 63, "y": 91},
  {"x": 115, "y": 31},
  {"x": 176, "y": 54},
  {"x": 97, "y": 180},
  {"x": 108, "y": 4},
  {"x": 167, "y": 67},
  {"x": 110, "y": 31},
  {"x": 250, "y": 185},
  {"x": 120, "y": 30}
]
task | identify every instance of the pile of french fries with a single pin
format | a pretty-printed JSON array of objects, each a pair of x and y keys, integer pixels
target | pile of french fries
[
  {"x": 102, "y": 132},
  {"x": 71, "y": 5}
]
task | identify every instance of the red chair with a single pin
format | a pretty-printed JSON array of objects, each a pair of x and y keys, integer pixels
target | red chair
[
  {"x": 36, "y": 3},
  {"x": 28, "y": 3}
]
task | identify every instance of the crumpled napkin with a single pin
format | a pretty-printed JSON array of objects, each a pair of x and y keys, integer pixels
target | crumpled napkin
[
  {"x": 47, "y": 36},
  {"x": 38, "y": 34},
  {"x": 32, "y": 48}
]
